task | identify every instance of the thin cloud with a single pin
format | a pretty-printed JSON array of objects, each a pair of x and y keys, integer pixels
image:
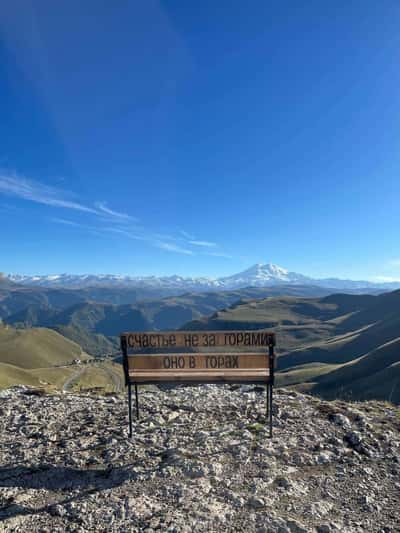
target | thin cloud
[
  {"x": 203, "y": 243},
  {"x": 166, "y": 237},
  {"x": 187, "y": 235},
  {"x": 102, "y": 206},
  {"x": 134, "y": 235},
  {"x": 174, "y": 248},
  {"x": 105, "y": 219},
  {"x": 39, "y": 193},
  {"x": 67, "y": 222},
  {"x": 17, "y": 186},
  {"x": 219, "y": 254},
  {"x": 127, "y": 233}
]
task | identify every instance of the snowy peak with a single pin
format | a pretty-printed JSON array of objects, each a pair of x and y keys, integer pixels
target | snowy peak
[
  {"x": 258, "y": 275},
  {"x": 266, "y": 271},
  {"x": 264, "y": 274},
  {"x": 76, "y": 281}
]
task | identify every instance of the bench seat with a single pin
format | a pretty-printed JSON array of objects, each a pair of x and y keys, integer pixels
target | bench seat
[{"x": 258, "y": 375}]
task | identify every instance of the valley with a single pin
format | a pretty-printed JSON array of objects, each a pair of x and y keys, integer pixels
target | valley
[
  {"x": 334, "y": 345},
  {"x": 43, "y": 358},
  {"x": 345, "y": 346},
  {"x": 94, "y": 317}
]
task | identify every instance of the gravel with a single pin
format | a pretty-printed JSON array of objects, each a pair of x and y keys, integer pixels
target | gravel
[{"x": 200, "y": 460}]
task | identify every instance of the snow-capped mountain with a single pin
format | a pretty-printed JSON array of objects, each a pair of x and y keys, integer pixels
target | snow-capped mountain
[
  {"x": 74, "y": 281},
  {"x": 259, "y": 275}
]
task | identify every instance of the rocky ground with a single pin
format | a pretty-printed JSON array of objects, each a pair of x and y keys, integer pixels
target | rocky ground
[{"x": 200, "y": 460}]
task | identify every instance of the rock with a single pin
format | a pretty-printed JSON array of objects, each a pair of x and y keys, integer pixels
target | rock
[
  {"x": 353, "y": 438},
  {"x": 324, "y": 528},
  {"x": 296, "y": 527},
  {"x": 194, "y": 470},
  {"x": 283, "y": 482},
  {"x": 173, "y": 416},
  {"x": 237, "y": 501},
  {"x": 324, "y": 458},
  {"x": 57, "y": 510},
  {"x": 341, "y": 420},
  {"x": 256, "y": 503},
  {"x": 320, "y": 508}
]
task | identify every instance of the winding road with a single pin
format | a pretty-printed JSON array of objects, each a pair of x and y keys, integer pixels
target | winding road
[
  {"x": 115, "y": 379},
  {"x": 73, "y": 379}
]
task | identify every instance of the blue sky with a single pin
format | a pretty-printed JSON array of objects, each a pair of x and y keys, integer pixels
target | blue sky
[{"x": 200, "y": 137}]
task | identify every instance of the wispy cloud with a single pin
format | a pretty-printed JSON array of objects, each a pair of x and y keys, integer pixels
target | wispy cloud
[
  {"x": 174, "y": 248},
  {"x": 127, "y": 233},
  {"x": 219, "y": 254},
  {"x": 66, "y": 222},
  {"x": 137, "y": 234},
  {"x": 187, "y": 235},
  {"x": 103, "y": 218},
  {"x": 207, "y": 244},
  {"x": 34, "y": 191},
  {"x": 102, "y": 206},
  {"x": 39, "y": 193}
]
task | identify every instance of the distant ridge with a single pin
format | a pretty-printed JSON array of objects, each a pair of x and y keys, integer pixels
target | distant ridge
[
  {"x": 259, "y": 275},
  {"x": 5, "y": 281}
]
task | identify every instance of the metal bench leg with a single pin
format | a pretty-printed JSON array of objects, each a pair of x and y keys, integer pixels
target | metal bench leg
[
  {"x": 130, "y": 409},
  {"x": 137, "y": 401},
  {"x": 270, "y": 409}
]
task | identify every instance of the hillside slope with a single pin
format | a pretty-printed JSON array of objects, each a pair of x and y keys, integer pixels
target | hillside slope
[
  {"x": 337, "y": 346},
  {"x": 14, "y": 375},
  {"x": 298, "y": 322},
  {"x": 36, "y": 348},
  {"x": 373, "y": 375}
]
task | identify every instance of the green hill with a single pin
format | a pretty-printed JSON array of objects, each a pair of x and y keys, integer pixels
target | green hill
[
  {"x": 43, "y": 358},
  {"x": 36, "y": 348},
  {"x": 339, "y": 345},
  {"x": 298, "y": 322},
  {"x": 363, "y": 377},
  {"x": 13, "y": 375}
]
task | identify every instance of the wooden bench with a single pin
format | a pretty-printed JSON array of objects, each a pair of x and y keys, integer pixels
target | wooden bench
[{"x": 186, "y": 357}]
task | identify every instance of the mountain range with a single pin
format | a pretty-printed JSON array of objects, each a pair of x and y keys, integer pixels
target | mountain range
[
  {"x": 94, "y": 317},
  {"x": 259, "y": 275},
  {"x": 330, "y": 344}
]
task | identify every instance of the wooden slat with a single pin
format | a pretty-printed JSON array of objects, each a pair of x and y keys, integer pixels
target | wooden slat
[
  {"x": 215, "y": 376},
  {"x": 196, "y": 340},
  {"x": 185, "y": 363},
  {"x": 201, "y": 371}
]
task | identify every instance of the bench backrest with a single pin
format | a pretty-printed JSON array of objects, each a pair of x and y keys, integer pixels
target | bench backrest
[{"x": 198, "y": 357}]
